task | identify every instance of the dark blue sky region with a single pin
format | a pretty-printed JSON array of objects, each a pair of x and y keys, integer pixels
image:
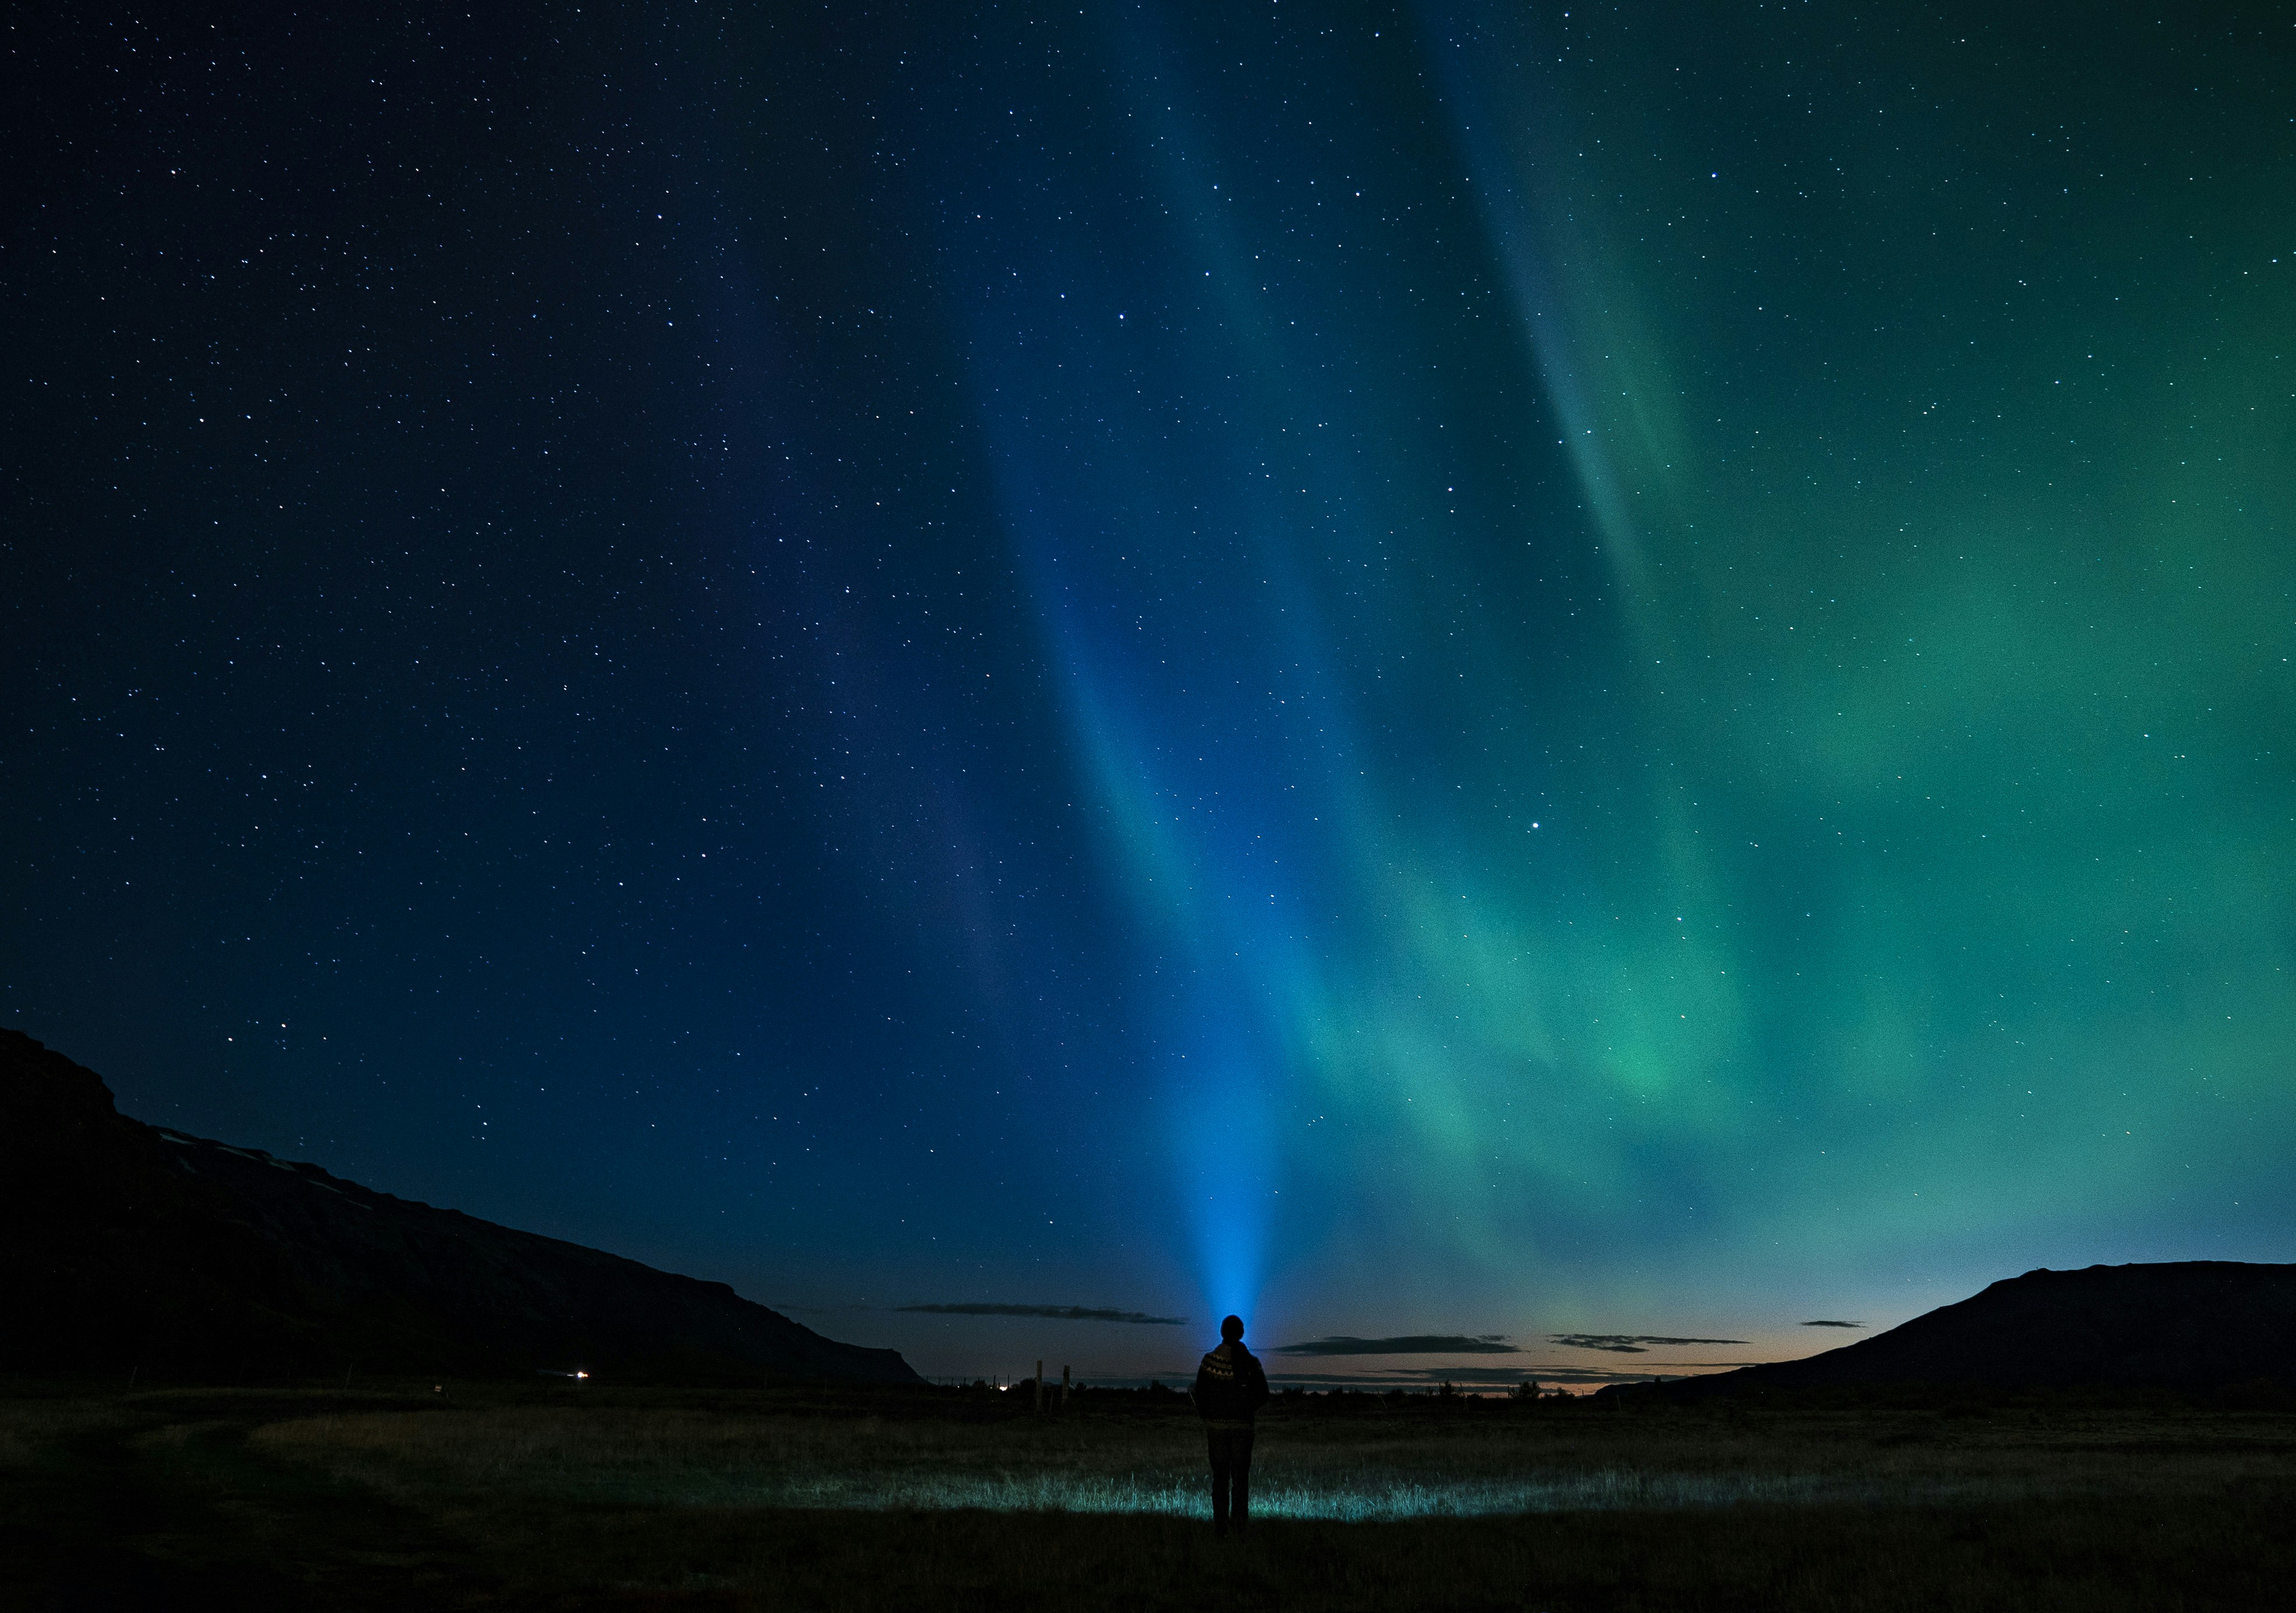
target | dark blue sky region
[{"x": 1521, "y": 675}]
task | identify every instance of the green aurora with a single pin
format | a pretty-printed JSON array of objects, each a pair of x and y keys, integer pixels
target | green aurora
[
  {"x": 1754, "y": 773},
  {"x": 1018, "y": 675}
]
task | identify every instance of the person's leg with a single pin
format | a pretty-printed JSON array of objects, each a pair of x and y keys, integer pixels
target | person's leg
[
  {"x": 1218, "y": 1440},
  {"x": 1240, "y": 1475}
]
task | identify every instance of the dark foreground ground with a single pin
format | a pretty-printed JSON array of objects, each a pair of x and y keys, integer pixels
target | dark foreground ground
[{"x": 515, "y": 1498}]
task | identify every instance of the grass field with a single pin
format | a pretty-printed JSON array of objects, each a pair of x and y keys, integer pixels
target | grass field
[{"x": 511, "y": 1498}]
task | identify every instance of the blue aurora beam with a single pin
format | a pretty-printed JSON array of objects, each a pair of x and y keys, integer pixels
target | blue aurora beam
[{"x": 1530, "y": 867}]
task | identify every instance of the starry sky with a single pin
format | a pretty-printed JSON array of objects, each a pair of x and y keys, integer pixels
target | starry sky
[{"x": 1516, "y": 687}]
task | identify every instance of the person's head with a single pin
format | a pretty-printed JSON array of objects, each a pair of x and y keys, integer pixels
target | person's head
[{"x": 1231, "y": 1328}]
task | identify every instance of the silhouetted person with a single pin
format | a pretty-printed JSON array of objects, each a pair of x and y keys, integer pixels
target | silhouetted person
[{"x": 1230, "y": 1389}]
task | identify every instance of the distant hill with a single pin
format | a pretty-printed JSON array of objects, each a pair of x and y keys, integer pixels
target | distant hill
[
  {"x": 2199, "y": 1324},
  {"x": 125, "y": 1246}
]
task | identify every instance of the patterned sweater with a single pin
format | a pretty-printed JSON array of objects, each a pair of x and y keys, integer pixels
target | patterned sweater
[{"x": 1230, "y": 1387}]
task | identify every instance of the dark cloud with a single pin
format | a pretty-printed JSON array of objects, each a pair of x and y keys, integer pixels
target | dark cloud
[
  {"x": 1408, "y": 1343},
  {"x": 1402, "y": 1378},
  {"x": 1547, "y": 1375},
  {"x": 1049, "y": 1312},
  {"x": 1486, "y": 1376},
  {"x": 1833, "y": 1324},
  {"x": 1627, "y": 1344}
]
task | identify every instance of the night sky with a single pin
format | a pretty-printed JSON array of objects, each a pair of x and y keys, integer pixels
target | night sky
[{"x": 1619, "y": 671}]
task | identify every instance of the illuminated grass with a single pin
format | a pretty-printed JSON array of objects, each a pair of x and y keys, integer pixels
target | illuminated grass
[
  {"x": 1387, "y": 1500},
  {"x": 1339, "y": 1473},
  {"x": 499, "y": 1499}
]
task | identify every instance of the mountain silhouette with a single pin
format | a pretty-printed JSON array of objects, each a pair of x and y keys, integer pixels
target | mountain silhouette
[
  {"x": 128, "y": 1247},
  {"x": 2197, "y": 1324}
]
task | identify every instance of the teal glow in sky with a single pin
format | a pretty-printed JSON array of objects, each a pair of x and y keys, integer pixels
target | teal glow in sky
[
  {"x": 1683, "y": 637},
  {"x": 1619, "y": 671}
]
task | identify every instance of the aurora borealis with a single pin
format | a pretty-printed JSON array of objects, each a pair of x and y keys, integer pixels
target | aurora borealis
[{"x": 1527, "y": 671}]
